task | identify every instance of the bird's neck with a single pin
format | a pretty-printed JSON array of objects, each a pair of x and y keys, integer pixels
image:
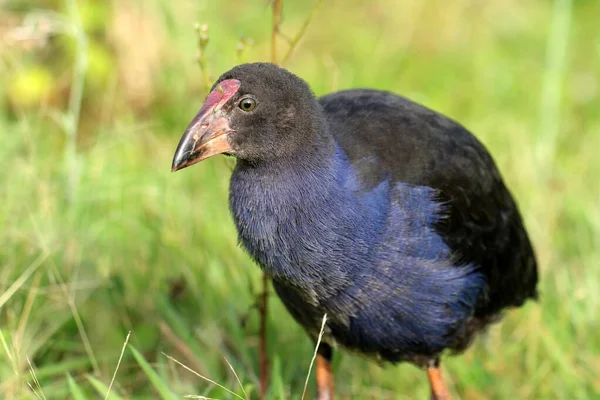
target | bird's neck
[
  {"x": 293, "y": 215},
  {"x": 304, "y": 179}
]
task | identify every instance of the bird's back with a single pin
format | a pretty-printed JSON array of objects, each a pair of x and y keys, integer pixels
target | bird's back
[{"x": 389, "y": 137}]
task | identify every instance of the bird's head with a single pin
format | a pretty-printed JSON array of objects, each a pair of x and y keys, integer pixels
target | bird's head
[{"x": 255, "y": 112}]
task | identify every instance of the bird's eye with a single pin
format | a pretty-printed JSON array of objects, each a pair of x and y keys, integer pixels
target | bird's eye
[{"x": 247, "y": 104}]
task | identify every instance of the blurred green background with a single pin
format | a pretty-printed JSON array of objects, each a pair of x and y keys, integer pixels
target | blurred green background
[{"x": 98, "y": 238}]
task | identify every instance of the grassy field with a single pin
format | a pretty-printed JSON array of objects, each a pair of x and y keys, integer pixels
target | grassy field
[{"x": 98, "y": 238}]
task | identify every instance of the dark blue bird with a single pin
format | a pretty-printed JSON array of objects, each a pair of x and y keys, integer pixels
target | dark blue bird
[{"x": 388, "y": 217}]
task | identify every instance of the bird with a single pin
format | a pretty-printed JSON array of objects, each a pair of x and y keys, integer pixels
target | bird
[{"x": 390, "y": 218}]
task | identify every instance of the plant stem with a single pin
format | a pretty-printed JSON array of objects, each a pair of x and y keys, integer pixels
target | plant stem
[
  {"x": 75, "y": 99},
  {"x": 263, "y": 302},
  {"x": 264, "y": 359},
  {"x": 556, "y": 62},
  {"x": 294, "y": 41},
  {"x": 277, "y": 4}
]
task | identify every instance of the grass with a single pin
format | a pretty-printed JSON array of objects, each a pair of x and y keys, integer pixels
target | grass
[{"x": 128, "y": 246}]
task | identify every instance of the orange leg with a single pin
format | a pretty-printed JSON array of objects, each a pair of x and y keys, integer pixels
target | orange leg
[
  {"x": 439, "y": 391},
  {"x": 325, "y": 384}
]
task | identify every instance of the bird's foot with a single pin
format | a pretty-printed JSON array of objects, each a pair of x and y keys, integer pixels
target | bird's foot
[
  {"x": 325, "y": 386},
  {"x": 439, "y": 390}
]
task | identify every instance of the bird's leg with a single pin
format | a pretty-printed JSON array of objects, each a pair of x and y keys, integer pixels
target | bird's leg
[
  {"x": 439, "y": 391},
  {"x": 325, "y": 385}
]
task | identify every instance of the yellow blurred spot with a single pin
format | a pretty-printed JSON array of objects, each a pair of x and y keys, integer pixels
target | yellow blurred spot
[
  {"x": 30, "y": 86},
  {"x": 100, "y": 64}
]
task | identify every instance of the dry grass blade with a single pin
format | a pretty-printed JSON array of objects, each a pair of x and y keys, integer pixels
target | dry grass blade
[
  {"x": 22, "y": 279},
  {"x": 236, "y": 377},
  {"x": 314, "y": 355},
  {"x": 7, "y": 350},
  {"x": 203, "y": 377},
  {"x": 182, "y": 348},
  {"x": 70, "y": 298},
  {"x": 118, "y": 364},
  {"x": 36, "y": 381},
  {"x": 26, "y": 312},
  {"x": 34, "y": 391}
]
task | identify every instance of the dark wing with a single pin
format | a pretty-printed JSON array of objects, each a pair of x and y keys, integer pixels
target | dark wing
[{"x": 386, "y": 135}]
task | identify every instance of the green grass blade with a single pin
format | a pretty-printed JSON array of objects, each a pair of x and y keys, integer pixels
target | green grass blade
[
  {"x": 102, "y": 389},
  {"x": 160, "y": 386},
  {"x": 75, "y": 389}
]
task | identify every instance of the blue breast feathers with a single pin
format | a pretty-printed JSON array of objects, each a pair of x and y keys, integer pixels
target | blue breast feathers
[{"x": 368, "y": 257}]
